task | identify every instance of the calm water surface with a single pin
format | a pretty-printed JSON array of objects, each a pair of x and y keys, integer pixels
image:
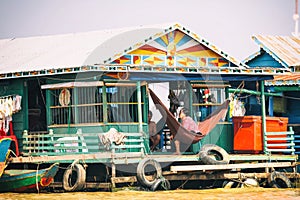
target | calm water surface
[{"x": 234, "y": 193}]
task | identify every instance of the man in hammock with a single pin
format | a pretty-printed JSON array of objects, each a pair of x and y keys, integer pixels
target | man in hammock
[
  {"x": 188, "y": 123},
  {"x": 179, "y": 132}
]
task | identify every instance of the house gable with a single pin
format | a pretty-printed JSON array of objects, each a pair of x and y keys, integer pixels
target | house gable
[
  {"x": 283, "y": 49},
  {"x": 263, "y": 59},
  {"x": 176, "y": 47}
]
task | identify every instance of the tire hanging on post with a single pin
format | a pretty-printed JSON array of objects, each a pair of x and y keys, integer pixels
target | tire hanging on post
[
  {"x": 212, "y": 154},
  {"x": 161, "y": 184},
  {"x": 143, "y": 172},
  {"x": 279, "y": 180},
  {"x": 74, "y": 178}
]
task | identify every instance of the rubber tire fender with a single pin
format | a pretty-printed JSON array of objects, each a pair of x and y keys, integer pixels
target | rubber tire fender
[
  {"x": 230, "y": 184},
  {"x": 208, "y": 149},
  {"x": 141, "y": 173},
  {"x": 80, "y": 178},
  {"x": 164, "y": 183},
  {"x": 284, "y": 180}
]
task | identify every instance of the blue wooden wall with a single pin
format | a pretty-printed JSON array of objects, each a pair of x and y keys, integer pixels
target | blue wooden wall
[
  {"x": 293, "y": 107},
  {"x": 264, "y": 60}
]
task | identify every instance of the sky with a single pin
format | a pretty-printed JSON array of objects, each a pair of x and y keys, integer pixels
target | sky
[{"x": 228, "y": 24}]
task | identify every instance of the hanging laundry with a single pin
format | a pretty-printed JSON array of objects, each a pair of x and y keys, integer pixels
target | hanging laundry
[
  {"x": 237, "y": 107},
  {"x": 17, "y": 103},
  {"x": 8, "y": 106}
]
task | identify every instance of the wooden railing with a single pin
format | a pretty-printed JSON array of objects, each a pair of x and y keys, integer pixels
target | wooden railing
[
  {"x": 297, "y": 144},
  {"x": 280, "y": 141},
  {"x": 50, "y": 143}
]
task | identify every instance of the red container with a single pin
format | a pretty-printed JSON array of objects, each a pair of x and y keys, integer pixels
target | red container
[
  {"x": 248, "y": 132},
  {"x": 277, "y": 124}
]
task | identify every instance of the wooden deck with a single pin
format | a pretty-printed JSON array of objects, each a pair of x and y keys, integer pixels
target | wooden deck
[
  {"x": 174, "y": 167},
  {"x": 135, "y": 157}
]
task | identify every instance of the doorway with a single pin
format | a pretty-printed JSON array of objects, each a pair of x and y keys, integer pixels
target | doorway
[{"x": 36, "y": 106}]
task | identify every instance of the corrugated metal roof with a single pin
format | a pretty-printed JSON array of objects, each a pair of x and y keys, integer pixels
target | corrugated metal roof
[
  {"x": 285, "y": 80},
  {"x": 68, "y": 50},
  {"x": 284, "y": 49},
  {"x": 81, "y": 49}
]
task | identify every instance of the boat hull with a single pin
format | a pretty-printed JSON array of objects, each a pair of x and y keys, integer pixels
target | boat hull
[
  {"x": 27, "y": 180},
  {"x": 4, "y": 153}
]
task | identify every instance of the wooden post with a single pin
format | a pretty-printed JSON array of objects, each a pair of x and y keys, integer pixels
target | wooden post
[
  {"x": 227, "y": 97},
  {"x": 51, "y": 135},
  {"x": 104, "y": 101},
  {"x": 75, "y": 102},
  {"x": 113, "y": 175},
  {"x": 48, "y": 109},
  {"x": 190, "y": 92},
  {"x": 263, "y": 115},
  {"x": 25, "y": 106},
  {"x": 25, "y": 136},
  {"x": 113, "y": 167},
  {"x": 140, "y": 113}
]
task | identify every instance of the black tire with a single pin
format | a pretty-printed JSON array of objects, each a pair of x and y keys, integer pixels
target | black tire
[
  {"x": 143, "y": 171},
  {"x": 279, "y": 180},
  {"x": 161, "y": 184},
  {"x": 74, "y": 178},
  {"x": 211, "y": 154},
  {"x": 230, "y": 184}
]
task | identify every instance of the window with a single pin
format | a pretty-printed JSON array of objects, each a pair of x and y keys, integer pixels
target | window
[
  {"x": 61, "y": 112},
  {"x": 86, "y": 105},
  {"x": 202, "y": 98},
  {"x": 207, "y": 98},
  {"x": 122, "y": 104}
]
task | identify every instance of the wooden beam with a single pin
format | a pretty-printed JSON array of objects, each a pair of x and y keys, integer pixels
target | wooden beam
[
  {"x": 87, "y": 185},
  {"x": 72, "y": 85},
  {"x": 185, "y": 168},
  {"x": 220, "y": 176},
  {"x": 129, "y": 179}
]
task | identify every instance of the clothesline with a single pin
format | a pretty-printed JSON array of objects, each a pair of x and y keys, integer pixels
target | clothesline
[{"x": 7, "y": 96}]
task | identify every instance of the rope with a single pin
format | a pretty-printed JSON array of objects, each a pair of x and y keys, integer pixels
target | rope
[
  {"x": 164, "y": 183},
  {"x": 288, "y": 97},
  {"x": 241, "y": 85},
  {"x": 36, "y": 179},
  {"x": 181, "y": 186},
  {"x": 74, "y": 162}
]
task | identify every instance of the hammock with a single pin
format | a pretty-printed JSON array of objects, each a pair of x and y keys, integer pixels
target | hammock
[{"x": 182, "y": 134}]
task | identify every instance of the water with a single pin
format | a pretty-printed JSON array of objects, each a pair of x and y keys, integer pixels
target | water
[{"x": 207, "y": 194}]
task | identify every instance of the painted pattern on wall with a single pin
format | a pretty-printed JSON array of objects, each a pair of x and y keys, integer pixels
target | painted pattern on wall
[{"x": 174, "y": 49}]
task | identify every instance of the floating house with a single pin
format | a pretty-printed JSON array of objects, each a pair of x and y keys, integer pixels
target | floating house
[
  {"x": 82, "y": 100},
  {"x": 281, "y": 52}
]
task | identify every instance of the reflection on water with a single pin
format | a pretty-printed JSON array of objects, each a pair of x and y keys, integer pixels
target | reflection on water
[{"x": 208, "y": 194}]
